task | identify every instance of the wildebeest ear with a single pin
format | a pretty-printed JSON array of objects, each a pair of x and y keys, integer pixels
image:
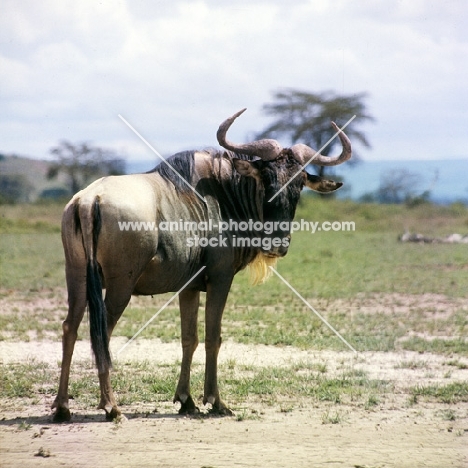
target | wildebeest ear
[
  {"x": 246, "y": 168},
  {"x": 317, "y": 184}
]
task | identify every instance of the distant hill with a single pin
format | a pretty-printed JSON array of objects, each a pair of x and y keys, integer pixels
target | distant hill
[
  {"x": 29, "y": 176},
  {"x": 24, "y": 179},
  {"x": 445, "y": 179}
]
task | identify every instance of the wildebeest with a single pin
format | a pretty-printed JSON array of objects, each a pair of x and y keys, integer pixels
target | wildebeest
[{"x": 236, "y": 184}]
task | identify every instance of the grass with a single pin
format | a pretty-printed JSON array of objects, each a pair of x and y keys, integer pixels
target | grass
[
  {"x": 295, "y": 325},
  {"x": 245, "y": 414},
  {"x": 439, "y": 346},
  {"x": 24, "y": 426},
  {"x": 454, "y": 392},
  {"x": 24, "y": 380},
  {"x": 324, "y": 264},
  {"x": 336, "y": 417},
  {"x": 142, "y": 383},
  {"x": 145, "y": 385},
  {"x": 372, "y": 401},
  {"x": 335, "y": 271},
  {"x": 31, "y": 217},
  {"x": 457, "y": 363},
  {"x": 31, "y": 261},
  {"x": 448, "y": 414},
  {"x": 412, "y": 365}
]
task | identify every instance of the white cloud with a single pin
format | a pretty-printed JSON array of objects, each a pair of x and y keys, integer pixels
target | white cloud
[{"x": 176, "y": 69}]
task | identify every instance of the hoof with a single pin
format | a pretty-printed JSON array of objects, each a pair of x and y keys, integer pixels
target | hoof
[
  {"x": 114, "y": 413},
  {"x": 188, "y": 407},
  {"x": 61, "y": 415},
  {"x": 189, "y": 411},
  {"x": 218, "y": 408}
]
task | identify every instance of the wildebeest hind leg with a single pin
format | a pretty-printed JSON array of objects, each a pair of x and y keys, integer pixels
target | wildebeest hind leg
[
  {"x": 76, "y": 309},
  {"x": 189, "y": 303},
  {"x": 117, "y": 298}
]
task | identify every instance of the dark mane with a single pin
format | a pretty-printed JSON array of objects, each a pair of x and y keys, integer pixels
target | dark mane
[{"x": 182, "y": 163}]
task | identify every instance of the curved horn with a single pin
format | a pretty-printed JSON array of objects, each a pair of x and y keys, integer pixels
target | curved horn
[
  {"x": 304, "y": 153},
  {"x": 264, "y": 149}
]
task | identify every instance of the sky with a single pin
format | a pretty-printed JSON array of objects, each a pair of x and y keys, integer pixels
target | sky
[{"x": 176, "y": 69}]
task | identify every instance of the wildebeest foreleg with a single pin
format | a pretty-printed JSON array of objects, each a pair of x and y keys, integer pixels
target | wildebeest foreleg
[
  {"x": 189, "y": 303},
  {"x": 216, "y": 296},
  {"x": 76, "y": 309}
]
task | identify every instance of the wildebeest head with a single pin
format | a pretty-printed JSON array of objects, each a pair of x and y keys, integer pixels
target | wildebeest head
[{"x": 281, "y": 176}]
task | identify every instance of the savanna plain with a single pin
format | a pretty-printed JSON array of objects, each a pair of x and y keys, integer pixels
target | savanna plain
[{"x": 300, "y": 396}]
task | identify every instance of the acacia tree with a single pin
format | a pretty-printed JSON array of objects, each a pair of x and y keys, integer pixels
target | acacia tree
[
  {"x": 398, "y": 186},
  {"x": 305, "y": 117},
  {"x": 83, "y": 163}
]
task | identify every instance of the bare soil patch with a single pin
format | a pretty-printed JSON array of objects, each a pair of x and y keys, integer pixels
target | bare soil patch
[
  {"x": 308, "y": 433},
  {"x": 388, "y": 438}
]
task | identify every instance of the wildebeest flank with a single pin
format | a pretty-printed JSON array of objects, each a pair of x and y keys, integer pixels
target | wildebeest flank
[{"x": 236, "y": 184}]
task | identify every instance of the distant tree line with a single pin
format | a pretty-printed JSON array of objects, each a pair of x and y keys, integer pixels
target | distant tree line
[
  {"x": 298, "y": 116},
  {"x": 79, "y": 164}
]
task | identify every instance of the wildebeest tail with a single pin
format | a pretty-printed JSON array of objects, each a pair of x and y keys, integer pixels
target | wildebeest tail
[{"x": 96, "y": 305}]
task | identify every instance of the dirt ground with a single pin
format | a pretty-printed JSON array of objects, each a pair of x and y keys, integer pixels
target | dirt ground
[{"x": 392, "y": 434}]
